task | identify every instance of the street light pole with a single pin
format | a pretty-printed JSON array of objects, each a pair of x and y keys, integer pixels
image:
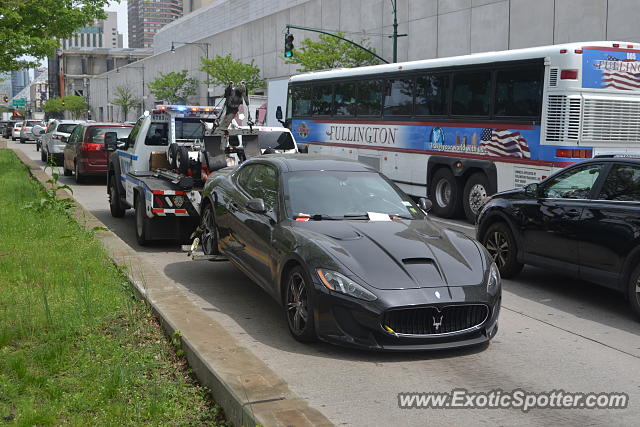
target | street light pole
[
  {"x": 394, "y": 5},
  {"x": 204, "y": 47}
]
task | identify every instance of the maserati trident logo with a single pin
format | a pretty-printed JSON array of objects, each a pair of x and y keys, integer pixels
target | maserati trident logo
[{"x": 437, "y": 321}]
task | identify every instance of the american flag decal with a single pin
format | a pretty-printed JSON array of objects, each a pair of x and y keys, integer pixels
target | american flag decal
[
  {"x": 620, "y": 75},
  {"x": 504, "y": 143}
]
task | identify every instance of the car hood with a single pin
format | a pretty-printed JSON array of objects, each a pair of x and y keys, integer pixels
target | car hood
[{"x": 399, "y": 254}]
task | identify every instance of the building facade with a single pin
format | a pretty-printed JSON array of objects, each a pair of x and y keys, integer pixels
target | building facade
[
  {"x": 253, "y": 30},
  {"x": 189, "y": 6},
  {"x": 147, "y": 17},
  {"x": 19, "y": 80},
  {"x": 104, "y": 33}
]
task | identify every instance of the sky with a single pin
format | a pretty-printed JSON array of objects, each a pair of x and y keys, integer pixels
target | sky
[{"x": 123, "y": 28}]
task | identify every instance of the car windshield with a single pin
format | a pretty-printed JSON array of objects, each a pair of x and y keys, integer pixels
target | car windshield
[
  {"x": 276, "y": 140},
  {"x": 33, "y": 122},
  {"x": 66, "y": 127},
  {"x": 340, "y": 195},
  {"x": 96, "y": 135},
  {"x": 17, "y": 125}
]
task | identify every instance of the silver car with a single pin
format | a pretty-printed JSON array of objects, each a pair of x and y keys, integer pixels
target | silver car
[
  {"x": 26, "y": 133},
  {"x": 52, "y": 140}
]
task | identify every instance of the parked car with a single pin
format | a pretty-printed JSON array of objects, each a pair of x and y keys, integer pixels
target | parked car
[
  {"x": 350, "y": 257},
  {"x": 52, "y": 145},
  {"x": 15, "y": 132},
  {"x": 84, "y": 152},
  {"x": 583, "y": 221},
  {"x": 39, "y": 137},
  {"x": 26, "y": 133}
]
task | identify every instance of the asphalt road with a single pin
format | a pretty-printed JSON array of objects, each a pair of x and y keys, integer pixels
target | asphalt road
[{"x": 555, "y": 333}]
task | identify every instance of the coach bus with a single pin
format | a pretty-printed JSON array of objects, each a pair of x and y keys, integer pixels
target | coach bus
[{"x": 458, "y": 129}]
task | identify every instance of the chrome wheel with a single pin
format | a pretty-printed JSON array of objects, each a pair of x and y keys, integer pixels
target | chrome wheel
[
  {"x": 297, "y": 304},
  {"x": 443, "y": 193},
  {"x": 498, "y": 246},
  {"x": 208, "y": 238},
  {"x": 477, "y": 194}
]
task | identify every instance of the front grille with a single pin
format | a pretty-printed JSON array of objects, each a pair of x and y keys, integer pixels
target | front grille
[{"x": 435, "y": 320}]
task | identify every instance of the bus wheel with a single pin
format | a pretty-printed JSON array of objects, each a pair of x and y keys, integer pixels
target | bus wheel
[
  {"x": 475, "y": 191},
  {"x": 445, "y": 194}
]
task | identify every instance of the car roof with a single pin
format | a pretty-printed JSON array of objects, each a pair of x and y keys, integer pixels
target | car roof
[
  {"x": 310, "y": 162},
  {"x": 106, "y": 124}
]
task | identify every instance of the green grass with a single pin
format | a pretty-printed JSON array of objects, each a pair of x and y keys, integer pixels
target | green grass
[{"x": 76, "y": 347}]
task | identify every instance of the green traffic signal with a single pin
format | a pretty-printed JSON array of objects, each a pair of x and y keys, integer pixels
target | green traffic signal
[{"x": 288, "y": 45}]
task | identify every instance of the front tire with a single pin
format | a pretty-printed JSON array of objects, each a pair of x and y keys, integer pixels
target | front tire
[
  {"x": 475, "y": 191},
  {"x": 142, "y": 221},
  {"x": 634, "y": 291},
  {"x": 501, "y": 244},
  {"x": 445, "y": 194},
  {"x": 43, "y": 155},
  {"x": 209, "y": 237},
  {"x": 299, "y": 306},
  {"x": 115, "y": 204}
]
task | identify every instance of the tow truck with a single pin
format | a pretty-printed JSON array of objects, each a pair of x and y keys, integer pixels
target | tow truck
[{"x": 160, "y": 169}]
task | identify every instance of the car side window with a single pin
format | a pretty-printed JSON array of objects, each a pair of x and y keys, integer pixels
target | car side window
[
  {"x": 264, "y": 185},
  {"x": 131, "y": 139},
  {"x": 75, "y": 135},
  {"x": 622, "y": 184},
  {"x": 244, "y": 176},
  {"x": 575, "y": 183}
]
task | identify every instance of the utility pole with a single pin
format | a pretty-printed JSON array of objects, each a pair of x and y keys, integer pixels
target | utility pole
[{"x": 394, "y": 5}]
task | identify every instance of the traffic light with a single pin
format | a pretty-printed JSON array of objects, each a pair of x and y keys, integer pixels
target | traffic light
[
  {"x": 288, "y": 45},
  {"x": 63, "y": 102},
  {"x": 5, "y": 99}
]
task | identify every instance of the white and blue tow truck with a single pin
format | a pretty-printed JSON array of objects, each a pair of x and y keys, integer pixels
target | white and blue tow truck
[{"x": 160, "y": 169}]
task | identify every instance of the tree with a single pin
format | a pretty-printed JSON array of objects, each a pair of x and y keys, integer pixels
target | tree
[
  {"x": 33, "y": 28},
  {"x": 174, "y": 87},
  {"x": 330, "y": 52},
  {"x": 76, "y": 105},
  {"x": 53, "y": 106},
  {"x": 224, "y": 69},
  {"x": 125, "y": 100}
]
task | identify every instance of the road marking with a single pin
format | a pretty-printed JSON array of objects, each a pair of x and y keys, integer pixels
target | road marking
[{"x": 455, "y": 224}]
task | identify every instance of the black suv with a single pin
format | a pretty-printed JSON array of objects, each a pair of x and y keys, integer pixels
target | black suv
[{"x": 583, "y": 221}]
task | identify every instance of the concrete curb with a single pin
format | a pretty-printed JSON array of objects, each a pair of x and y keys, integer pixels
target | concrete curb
[{"x": 245, "y": 387}]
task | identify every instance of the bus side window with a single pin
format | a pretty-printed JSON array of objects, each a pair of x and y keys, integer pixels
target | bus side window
[
  {"x": 370, "y": 97},
  {"x": 301, "y": 101},
  {"x": 322, "y": 100},
  {"x": 345, "y": 99},
  {"x": 431, "y": 95},
  {"x": 471, "y": 93},
  {"x": 519, "y": 92},
  {"x": 398, "y": 97}
]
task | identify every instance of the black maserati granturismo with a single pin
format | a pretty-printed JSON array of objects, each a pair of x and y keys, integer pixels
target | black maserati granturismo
[{"x": 352, "y": 259}]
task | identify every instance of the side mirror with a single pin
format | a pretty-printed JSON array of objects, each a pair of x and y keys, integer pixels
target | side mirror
[
  {"x": 64, "y": 139},
  {"x": 257, "y": 206},
  {"x": 110, "y": 141},
  {"x": 37, "y": 130},
  {"x": 279, "y": 113},
  {"x": 532, "y": 190},
  {"x": 425, "y": 204}
]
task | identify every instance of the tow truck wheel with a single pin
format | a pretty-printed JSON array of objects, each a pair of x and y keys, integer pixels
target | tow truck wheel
[
  {"x": 182, "y": 161},
  {"x": 115, "y": 205},
  {"x": 209, "y": 238},
  {"x": 142, "y": 221}
]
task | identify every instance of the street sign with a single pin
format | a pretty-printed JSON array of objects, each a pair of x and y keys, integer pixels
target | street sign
[{"x": 19, "y": 102}]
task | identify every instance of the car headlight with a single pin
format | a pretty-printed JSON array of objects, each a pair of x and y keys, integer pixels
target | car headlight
[
  {"x": 493, "y": 282},
  {"x": 340, "y": 283}
]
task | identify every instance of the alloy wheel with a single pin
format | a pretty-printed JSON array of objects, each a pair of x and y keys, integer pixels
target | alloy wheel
[
  {"x": 208, "y": 233},
  {"x": 297, "y": 312},
  {"x": 498, "y": 246}
]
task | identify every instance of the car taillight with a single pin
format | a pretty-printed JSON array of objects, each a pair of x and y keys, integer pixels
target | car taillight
[
  {"x": 55, "y": 136},
  {"x": 573, "y": 153},
  {"x": 569, "y": 75},
  {"x": 24, "y": 128},
  {"x": 91, "y": 146}
]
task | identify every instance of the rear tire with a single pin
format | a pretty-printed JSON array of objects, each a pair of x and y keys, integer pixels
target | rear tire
[
  {"x": 502, "y": 247},
  {"x": 66, "y": 172},
  {"x": 445, "y": 194},
  {"x": 209, "y": 237},
  {"x": 183, "y": 160},
  {"x": 475, "y": 191},
  {"x": 298, "y": 306},
  {"x": 633, "y": 291},
  {"x": 77, "y": 175},
  {"x": 22, "y": 140},
  {"x": 172, "y": 155},
  {"x": 142, "y": 221},
  {"x": 43, "y": 156},
  {"x": 115, "y": 204}
]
